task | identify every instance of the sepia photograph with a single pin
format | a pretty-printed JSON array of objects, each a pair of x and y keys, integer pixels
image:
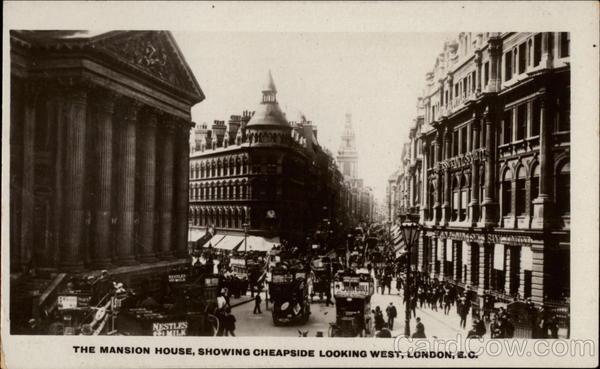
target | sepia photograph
[{"x": 405, "y": 185}]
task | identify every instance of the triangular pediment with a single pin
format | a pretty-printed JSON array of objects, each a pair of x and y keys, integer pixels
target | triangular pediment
[{"x": 153, "y": 52}]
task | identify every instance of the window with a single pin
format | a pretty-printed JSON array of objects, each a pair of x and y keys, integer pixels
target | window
[
  {"x": 564, "y": 110},
  {"x": 535, "y": 184},
  {"x": 454, "y": 143},
  {"x": 507, "y": 127},
  {"x": 486, "y": 73},
  {"x": 537, "y": 49},
  {"x": 522, "y": 57},
  {"x": 508, "y": 66},
  {"x": 521, "y": 121},
  {"x": 455, "y": 198},
  {"x": 463, "y": 140},
  {"x": 473, "y": 81},
  {"x": 521, "y": 208},
  {"x": 564, "y": 44},
  {"x": 506, "y": 193},
  {"x": 535, "y": 118},
  {"x": 563, "y": 190}
]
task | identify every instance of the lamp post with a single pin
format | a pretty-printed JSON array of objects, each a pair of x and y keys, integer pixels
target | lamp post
[
  {"x": 410, "y": 232},
  {"x": 245, "y": 225}
]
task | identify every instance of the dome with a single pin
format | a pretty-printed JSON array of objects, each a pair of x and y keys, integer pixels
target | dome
[{"x": 268, "y": 113}]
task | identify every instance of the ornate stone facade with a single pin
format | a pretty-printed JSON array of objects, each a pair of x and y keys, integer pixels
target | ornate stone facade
[
  {"x": 98, "y": 176},
  {"x": 493, "y": 137}
]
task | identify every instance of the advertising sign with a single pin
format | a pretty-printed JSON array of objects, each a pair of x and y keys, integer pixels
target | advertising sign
[{"x": 170, "y": 328}]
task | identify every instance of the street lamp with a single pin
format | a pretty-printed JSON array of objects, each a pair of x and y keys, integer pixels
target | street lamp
[{"x": 410, "y": 232}]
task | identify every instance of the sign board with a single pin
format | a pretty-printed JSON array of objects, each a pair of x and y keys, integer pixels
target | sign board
[
  {"x": 300, "y": 275},
  {"x": 282, "y": 278},
  {"x": 211, "y": 282},
  {"x": 170, "y": 328},
  {"x": 67, "y": 302},
  {"x": 174, "y": 278},
  {"x": 360, "y": 289},
  {"x": 237, "y": 261}
]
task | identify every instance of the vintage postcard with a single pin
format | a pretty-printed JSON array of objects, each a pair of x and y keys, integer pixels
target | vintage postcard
[{"x": 299, "y": 184}]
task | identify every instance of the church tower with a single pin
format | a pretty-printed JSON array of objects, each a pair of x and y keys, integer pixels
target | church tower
[{"x": 347, "y": 157}]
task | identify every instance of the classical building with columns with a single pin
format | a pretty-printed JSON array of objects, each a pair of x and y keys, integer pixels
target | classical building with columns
[
  {"x": 263, "y": 175},
  {"x": 488, "y": 166},
  {"x": 99, "y": 154}
]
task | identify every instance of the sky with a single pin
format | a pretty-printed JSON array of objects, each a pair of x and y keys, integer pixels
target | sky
[{"x": 376, "y": 77}]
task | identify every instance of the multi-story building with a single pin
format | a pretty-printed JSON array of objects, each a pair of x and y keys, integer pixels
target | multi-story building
[
  {"x": 487, "y": 166},
  {"x": 264, "y": 175}
]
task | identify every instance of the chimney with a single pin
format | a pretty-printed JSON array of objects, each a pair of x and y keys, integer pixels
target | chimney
[
  {"x": 219, "y": 129},
  {"x": 200, "y": 133},
  {"x": 235, "y": 121}
]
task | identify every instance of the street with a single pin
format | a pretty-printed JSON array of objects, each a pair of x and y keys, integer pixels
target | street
[{"x": 436, "y": 323}]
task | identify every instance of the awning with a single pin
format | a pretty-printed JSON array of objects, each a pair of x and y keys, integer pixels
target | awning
[
  {"x": 229, "y": 242},
  {"x": 256, "y": 243}
]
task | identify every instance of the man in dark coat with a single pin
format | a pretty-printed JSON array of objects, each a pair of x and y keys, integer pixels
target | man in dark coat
[
  {"x": 420, "y": 330},
  {"x": 391, "y": 314},
  {"x": 257, "y": 301},
  {"x": 228, "y": 323}
]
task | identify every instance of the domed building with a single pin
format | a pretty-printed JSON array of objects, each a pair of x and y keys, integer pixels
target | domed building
[{"x": 262, "y": 174}]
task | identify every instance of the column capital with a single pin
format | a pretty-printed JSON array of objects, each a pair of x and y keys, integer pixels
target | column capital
[
  {"x": 129, "y": 109},
  {"x": 105, "y": 99}
]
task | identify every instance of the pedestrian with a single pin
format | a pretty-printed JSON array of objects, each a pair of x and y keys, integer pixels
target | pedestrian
[
  {"x": 473, "y": 332},
  {"x": 420, "y": 330},
  {"x": 257, "y": 301},
  {"x": 391, "y": 314},
  {"x": 496, "y": 328},
  {"x": 413, "y": 305},
  {"x": 509, "y": 328},
  {"x": 228, "y": 323},
  {"x": 447, "y": 302},
  {"x": 379, "y": 322},
  {"x": 463, "y": 311}
]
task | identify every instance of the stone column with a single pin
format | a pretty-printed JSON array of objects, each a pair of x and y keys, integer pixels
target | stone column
[
  {"x": 446, "y": 209},
  {"x": 455, "y": 264},
  {"x": 166, "y": 191},
  {"x": 181, "y": 188},
  {"x": 546, "y": 59},
  {"x": 127, "y": 121},
  {"x": 474, "y": 204},
  {"x": 437, "y": 206},
  {"x": 507, "y": 268},
  {"x": 495, "y": 55},
  {"x": 102, "y": 117},
  {"x": 148, "y": 186},
  {"x": 30, "y": 98},
  {"x": 538, "y": 272},
  {"x": 76, "y": 100},
  {"x": 420, "y": 251},
  {"x": 424, "y": 190},
  {"x": 521, "y": 271},
  {"x": 489, "y": 206},
  {"x": 442, "y": 242},
  {"x": 483, "y": 269},
  {"x": 542, "y": 204},
  {"x": 467, "y": 262},
  {"x": 433, "y": 253},
  {"x": 478, "y": 71}
]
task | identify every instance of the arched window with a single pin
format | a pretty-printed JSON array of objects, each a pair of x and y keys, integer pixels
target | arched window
[
  {"x": 521, "y": 192},
  {"x": 507, "y": 193},
  {"x": 563, "y": 189},
  {"x": 534, "y": 184},
  {"x": 431, "y": 200}
]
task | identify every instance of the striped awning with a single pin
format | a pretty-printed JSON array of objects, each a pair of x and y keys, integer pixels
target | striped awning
[{"x": 229, "y": 242}]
